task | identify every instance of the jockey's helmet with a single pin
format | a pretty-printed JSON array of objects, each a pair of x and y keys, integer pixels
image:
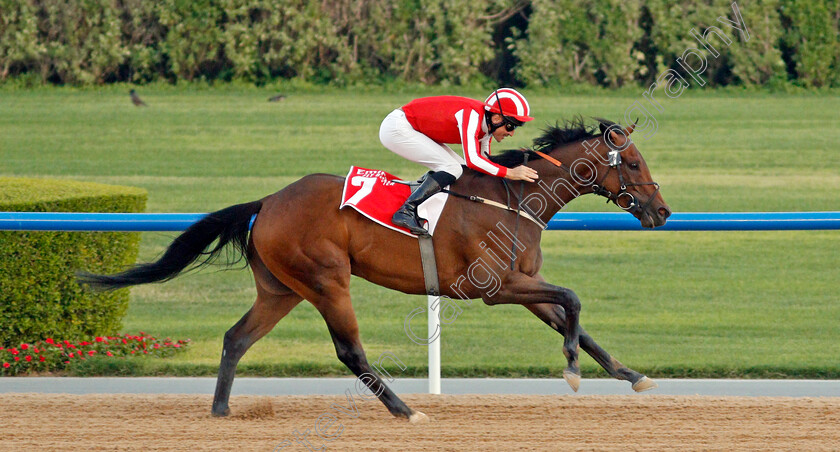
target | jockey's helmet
[{"x": 513, "y": 104}]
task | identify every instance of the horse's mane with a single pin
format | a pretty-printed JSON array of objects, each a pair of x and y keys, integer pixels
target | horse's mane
[{"x": 570, "y": 131}]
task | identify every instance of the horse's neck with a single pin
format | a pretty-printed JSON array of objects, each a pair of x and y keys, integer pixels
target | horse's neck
[{"x": 557, "y": 187}]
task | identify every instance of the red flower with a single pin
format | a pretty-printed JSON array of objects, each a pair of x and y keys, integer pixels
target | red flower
[
  {"x": 36, "y": 350},
  {"x": 24, "y": 346},
  {"x": 43, "y": 359},
  {"x": 177, "y": 345},
  {"x": 13, "y": 351},
  {"x": 99, "y": 339},
  {"x": 17, "y": 358},
  {"x": 109, "y": 353},
  {"x": 70, "y": 356},
  {"x": 66, "y": 362},
  {"x": 50, "y": 340},
  {"x": 1, "y": 349},
  {"x": 28, "y": 358},
  {"x": 7, "y": 365},
  {"x": 125, "y": 341},
  {"x": 91, "y": 352},
  {"x": 132, "y": 352}
]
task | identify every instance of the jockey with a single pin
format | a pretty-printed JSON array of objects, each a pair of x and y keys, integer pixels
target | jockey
[{"x": 420, "y": 129}]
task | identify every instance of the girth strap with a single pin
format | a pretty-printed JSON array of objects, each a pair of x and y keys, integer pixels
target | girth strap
[{"x": 427, "y": 258}]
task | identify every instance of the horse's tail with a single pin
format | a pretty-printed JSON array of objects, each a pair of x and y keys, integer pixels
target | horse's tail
[{"x": 229, "y": 226}]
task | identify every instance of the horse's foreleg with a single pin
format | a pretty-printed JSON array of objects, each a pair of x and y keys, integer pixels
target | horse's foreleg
[
  {"x": 519, "y": 288},
  {"x": 341, "y": 321},
  {"x": 268, "y": 309},
  {"x": 555, "y": 317}
]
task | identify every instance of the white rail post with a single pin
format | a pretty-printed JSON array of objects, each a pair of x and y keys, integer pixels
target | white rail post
[{"x": 434, "y": 345}]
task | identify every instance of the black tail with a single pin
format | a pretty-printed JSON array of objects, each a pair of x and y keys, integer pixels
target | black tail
[{"x": 229, "y": 225}]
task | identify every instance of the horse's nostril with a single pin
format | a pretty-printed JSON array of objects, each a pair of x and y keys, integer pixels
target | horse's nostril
[{"x": 664, "y": 212}]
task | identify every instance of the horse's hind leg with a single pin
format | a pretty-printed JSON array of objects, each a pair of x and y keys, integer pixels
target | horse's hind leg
[
  {"x": 274, "y": 301},
  {"x": 341, "y": 321},
  {"x": 555, "y": 317}
]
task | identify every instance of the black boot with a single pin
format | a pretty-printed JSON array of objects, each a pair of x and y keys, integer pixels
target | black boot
[{"x": 406, "y": 216}]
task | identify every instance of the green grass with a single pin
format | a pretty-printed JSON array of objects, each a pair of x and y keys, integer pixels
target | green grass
[{"x": 749, "y": 304}]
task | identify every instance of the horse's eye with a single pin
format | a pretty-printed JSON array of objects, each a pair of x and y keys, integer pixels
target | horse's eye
[{"x": 634, "y": 165}]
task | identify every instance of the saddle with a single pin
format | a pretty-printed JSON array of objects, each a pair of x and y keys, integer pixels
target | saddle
[{"x": 377, "y": 194}]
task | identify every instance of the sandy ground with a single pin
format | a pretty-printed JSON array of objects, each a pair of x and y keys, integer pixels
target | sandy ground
[{"x": 42, "y": 422}]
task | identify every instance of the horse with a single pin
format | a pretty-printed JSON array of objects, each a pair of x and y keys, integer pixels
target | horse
[{"x": 302, "y": 246}]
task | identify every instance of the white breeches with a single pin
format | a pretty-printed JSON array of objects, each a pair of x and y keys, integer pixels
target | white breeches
[{"x": 398, "y": 136}]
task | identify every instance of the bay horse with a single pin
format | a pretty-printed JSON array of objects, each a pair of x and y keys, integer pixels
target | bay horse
[{"x": 302, "y": 246}]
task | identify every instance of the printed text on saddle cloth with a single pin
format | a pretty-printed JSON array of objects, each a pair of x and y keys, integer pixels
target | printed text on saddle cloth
[{"x": 375, "y": 195}]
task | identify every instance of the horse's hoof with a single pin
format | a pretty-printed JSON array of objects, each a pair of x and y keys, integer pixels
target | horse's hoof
[
  {"x": 418, "y": 418},
  {"x": 572, "y": 378},
  {"x": 644, "y": 384},
  {"x": 221, "y": 413}
]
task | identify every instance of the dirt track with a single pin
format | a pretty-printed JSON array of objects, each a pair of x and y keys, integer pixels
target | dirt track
[{"x": 469, "y": 423}]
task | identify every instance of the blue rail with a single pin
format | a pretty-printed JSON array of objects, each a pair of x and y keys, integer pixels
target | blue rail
[
  {"x": 700, "y": 221},
  {"x": 587, "y": 221},
  {"x": 72, "y": 221}
]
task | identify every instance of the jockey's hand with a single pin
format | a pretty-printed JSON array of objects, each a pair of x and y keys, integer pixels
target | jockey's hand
[{"x": 522, "y": 172}]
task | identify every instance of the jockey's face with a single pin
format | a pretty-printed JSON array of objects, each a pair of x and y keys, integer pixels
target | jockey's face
[{"x": 500, "y": 133}]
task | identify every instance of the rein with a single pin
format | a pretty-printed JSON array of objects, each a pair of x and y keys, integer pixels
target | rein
[{"x": 492, "y": 203}]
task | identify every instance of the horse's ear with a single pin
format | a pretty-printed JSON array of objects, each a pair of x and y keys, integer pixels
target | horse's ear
[
  {"x": 629, "y": 130},
  {"x": 618, "y": 138}
]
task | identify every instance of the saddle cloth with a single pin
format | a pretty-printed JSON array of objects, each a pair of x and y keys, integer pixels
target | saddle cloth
[{"x": 374, "y": 194}]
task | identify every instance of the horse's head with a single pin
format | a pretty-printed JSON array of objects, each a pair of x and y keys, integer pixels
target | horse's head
[
  {"x": 605, "y": 163},
  {"x": 625, "y": 179}
]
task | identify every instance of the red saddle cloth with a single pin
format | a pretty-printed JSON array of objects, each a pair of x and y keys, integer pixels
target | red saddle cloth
[{"x": 375, "y": 195}]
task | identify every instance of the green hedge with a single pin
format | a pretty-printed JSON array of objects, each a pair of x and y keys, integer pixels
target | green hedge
[
  {"x": 606, "y": 43},
  {"x": 39, "y": 297}
]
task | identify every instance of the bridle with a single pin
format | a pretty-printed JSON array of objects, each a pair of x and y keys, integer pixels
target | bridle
[
  {"x": 615, "y": 161},
  {"x": 633, "y": 206}
]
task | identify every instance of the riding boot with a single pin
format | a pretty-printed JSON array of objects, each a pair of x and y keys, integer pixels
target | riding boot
[{"x": 406, "y": 216}]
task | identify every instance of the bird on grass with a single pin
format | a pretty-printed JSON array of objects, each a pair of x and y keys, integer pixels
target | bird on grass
[
  {"x": 277, "y": 98},
  {"x": 135, "y": 99}
]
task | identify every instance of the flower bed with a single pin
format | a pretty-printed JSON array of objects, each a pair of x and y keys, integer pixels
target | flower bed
[{"x": 50, "y": 355}]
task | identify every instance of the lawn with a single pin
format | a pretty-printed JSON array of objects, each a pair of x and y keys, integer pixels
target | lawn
[{"x": 754, "y": 304}]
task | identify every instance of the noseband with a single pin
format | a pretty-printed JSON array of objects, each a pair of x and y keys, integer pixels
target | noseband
[{"x": 600, "y": 190}]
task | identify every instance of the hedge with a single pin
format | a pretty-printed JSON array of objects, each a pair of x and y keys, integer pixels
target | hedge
[
  {"x": 542, "y": 42},
  {"x": 39, "y": 297}
]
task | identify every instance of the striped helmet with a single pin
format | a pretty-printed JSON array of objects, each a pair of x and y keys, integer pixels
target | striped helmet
[{"x": 513, "y": 105}]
